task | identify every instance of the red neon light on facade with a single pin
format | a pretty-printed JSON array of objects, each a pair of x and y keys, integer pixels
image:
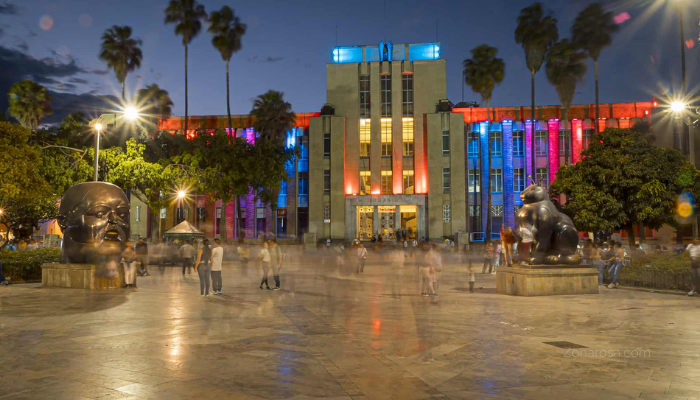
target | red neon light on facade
[
  {"x": 553, "y": 128},
  {"x": 577, "y": 145}
]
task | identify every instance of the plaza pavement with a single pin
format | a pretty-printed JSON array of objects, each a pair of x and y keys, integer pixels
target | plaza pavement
[{"x": 343, "y": 336}]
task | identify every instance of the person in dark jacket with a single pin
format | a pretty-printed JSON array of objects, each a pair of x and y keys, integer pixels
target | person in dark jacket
[{"x": 142, "y": 257}]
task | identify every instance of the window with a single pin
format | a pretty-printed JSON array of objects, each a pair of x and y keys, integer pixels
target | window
[
  {"x": 364, "y": 96},
  {"x": 518, "y": 179},
  {"x": 365, "y": 136},
  {"x": 587, "y": 137},
  {"x": 326, "y": 145},
  {"x": 386, "y": 182},
  {"x": 496, "y": 180},
  {"x": 163, "y": 213},
  {"x": 542, "y": 177},
  {"x": 474, "y": 186},
  {"x": 182, "y": 214},
  {"x": 407, "y": 129},
  {"x": 496, "y": 143},
  {"x": 407, "y": 83},
  {"x": 326, "y": 181},
  {"x": 386, "y": 95},
  {"x": 497, "y": 211},
  {"x": 201, "y": 214},
  {"x": 408, "y": 182},
  {"x": 326, "y": 214},
  {"x": 445, "y": 143},
  {"x": 496, "y": 220},
  {"x": 541, "y": 143},
  {"x": 445, "y": 180},
  {"x": 138, "y": 213},
  {"x": 386, "y": 137},
  {"x": 565, "y": 143},
  {"x": 365, "y": 183},
  {"x": 446, "y": 214},
  {"x": 518, "y": 143},
  {"x": 473, "y": 144},
  {"x": 217, "y": 225},
  {"x": 303, "y": 183},
  {"x": 474, "y": 211}
]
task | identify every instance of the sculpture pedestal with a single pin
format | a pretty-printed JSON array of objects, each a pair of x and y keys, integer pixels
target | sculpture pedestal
[
  {"x": 546, "y": 280},
  {"x": 80, "y": 276}
]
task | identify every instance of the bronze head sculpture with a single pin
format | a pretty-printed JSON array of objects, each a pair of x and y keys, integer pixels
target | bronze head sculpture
[
  {"x": 555, "y": 237},
  {"x": 94, "y": 217}
]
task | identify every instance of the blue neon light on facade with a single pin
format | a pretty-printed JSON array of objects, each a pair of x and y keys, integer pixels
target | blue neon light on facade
[
  {"x": 508, "y": 201},
  {"x": 347, "y": 55},
  {"x": 354, "y": 54},
  {"x": 424, "y": 51},
  {"x": 485, "y": 171},
  {"x": 292, "y": 138}
]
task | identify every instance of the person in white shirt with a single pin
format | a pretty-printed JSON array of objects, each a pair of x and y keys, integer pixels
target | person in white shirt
[
  {"x": 526, "y": 243},
  {"x": 694, "y": 250},
  {"x": 265, "y": 258},
  {"x": 217, "y": 258},
  {"x": 361, "y": 257}
]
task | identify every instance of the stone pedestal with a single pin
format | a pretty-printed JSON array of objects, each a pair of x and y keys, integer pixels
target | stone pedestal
[
  {"x": 80, "y": 276},
  {"x": 547, "y": 280}
]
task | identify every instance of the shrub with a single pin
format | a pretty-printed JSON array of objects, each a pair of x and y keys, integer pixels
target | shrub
[
  {"x": 26, "y": 265},
  {"x": 658, "y": 271}
]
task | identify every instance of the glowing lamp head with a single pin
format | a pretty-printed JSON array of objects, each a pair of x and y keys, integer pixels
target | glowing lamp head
[
  {"x": 181, "y": 194},
  {"x": 131, "y": 113},
  {"x": 677, "y": 106},
  {"x": 98, "y": 127}
]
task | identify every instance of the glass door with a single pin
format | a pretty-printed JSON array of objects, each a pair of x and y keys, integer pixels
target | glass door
[
  {"x": 365, "y": 222},
  {"x": 387, "y": 222}
]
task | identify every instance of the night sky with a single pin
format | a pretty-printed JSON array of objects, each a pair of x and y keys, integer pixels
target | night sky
[{"x": 288, "y": 44}]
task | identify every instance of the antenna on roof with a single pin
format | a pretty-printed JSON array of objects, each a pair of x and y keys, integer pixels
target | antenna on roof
[
  {"x": 384, "y": 23},
  {"x": 336, "y": 36},
  {"x": 436, "y": 30}
]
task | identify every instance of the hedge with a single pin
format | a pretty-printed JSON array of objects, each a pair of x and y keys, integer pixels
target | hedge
[
  {"x": 658, "y": 271},
  {"x": 26, "y": 265}
]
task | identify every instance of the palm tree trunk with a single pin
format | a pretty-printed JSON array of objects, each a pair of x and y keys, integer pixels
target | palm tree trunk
[
  {"x": 228, "y": 102},
  {"x": 123, "y": 85},
  {"x": 564, "y": 114},
  {"x": 237, "y": 207},
  {"x": 532, "y": 138},
  {"x": 186, "y": 91},
  {"x": 488, "y": 172},
  {"x": 597, "y": 105}
]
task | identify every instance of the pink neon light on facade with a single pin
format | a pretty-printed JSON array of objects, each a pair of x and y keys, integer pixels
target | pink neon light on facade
[
  {"x": 528, "y": 148},
  {"x": 553, "y": 128},
  {"x": 250, "y": 135},
  {"x": 577, "y": 145}
]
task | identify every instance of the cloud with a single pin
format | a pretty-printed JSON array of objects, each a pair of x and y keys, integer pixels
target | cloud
[
  {"x": 30, "y": 32},
  {"x": 8, "y": 8},
  {"x": 78, "y": 80},
  {"x": 21, "y": 43},
  {"x": 268, "y": 59}
]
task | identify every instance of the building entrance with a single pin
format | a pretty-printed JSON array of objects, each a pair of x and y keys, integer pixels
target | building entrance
[
  {"x": 387, "y": 222},
  {"x": 409, "y": 221},
  {"x": 365, "y": 222}
]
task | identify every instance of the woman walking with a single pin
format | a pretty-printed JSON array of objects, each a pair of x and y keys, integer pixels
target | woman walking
[
  {"x": 203, "y": 267},
  {"x": 265, "y": 258},
  {"x": 129, "y": 259}
]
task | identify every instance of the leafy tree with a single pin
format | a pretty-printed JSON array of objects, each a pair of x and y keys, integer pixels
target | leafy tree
[
  {"x": 187, "y": 16},
  {"x": 121, "y": 52},
  {"x": 227, "y": 30},
  {"x": 536, "y": 32},
  {"x": 155, "y": 103},
  {"x": 22, "y": 218},
  {"x": 482, "y": 73},
  {"x": 29, "y": 103},
  {"x": 623, "y": 180},
  {"x": 19, "y": 164},
  {"x": 592, "y": 31},
  {"x": 273, "y": 118},
  {"x": 566, "y": 66}
]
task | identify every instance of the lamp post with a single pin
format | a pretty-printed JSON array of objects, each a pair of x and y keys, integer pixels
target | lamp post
[
  {"x": 682, "y": 119},
  {"x": 130, "y": 113}
]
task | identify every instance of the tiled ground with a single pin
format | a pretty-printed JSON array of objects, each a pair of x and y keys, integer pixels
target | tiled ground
[{"x": 337, "y": 336}]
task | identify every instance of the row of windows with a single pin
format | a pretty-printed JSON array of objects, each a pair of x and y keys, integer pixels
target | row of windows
[
  {"x": 386, "y": 137},
  {"x": 387, "y": 182},
  {"x": 385, "y": 80},
  {"x": 541, "y": 143},
  {"x": 519, "y": 179}
]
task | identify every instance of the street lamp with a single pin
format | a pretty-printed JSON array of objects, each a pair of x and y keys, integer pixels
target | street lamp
[
  {"x": 98, "y": 128},
  {"x": 677, "y": 106},
  {"x": 181, "y": 194},
  {"x": 129, "y": 112}
]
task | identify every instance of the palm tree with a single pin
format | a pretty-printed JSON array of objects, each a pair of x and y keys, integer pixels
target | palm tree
[
  {"x": 482, "y": 73},
  {"x": 29, "y": 103},
  {"x": 227, "y": 30},
  {"x": 592, "y": 31},
  {"x": 155, "y": 103},
  {"x": 566, "y": 66},
  {"x": 121, "y": 52},
  {"x": 273, "y": 117},
  {"x": 187, "y": 15},
  {"x": 536, "y": 32}
]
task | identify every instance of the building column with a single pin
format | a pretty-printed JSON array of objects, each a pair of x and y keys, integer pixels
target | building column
[
  {"x": 485, "y": 171},
  {"x": 375, "y": 220},
  {"x": 397, "y": 220},
  {"x": 529, "y": 143},
  {"x": 553, "y": 148},
  {"x": 508, "y": 194},
  {"x": 577, "y": 144}
]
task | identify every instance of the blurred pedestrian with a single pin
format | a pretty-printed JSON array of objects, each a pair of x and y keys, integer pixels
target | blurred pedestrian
[
  {"x": 618, "y": 258},
  {"x": 527, "y": 235},
  {"x": 217, "y": 258},
  {"x": 265, "y": 261},
  {"x": 472, "y": 277},
  {"x": 435, "y": 259},
  {"x": 142, "y": 257},
  {"x": 694, "y": 250},
  {"x": 129, "y": 260},
  {"x": 203, "y": 268},
  {"x": 425, "y": 273},
  {"x": 361, "y": 257},
  {"x": 489, "y": 256},
  {"x": 276, "y": 262},
  {"x": 507, "y": 239},
  {"x": 32, "y": 245},
  {"x": 186, "y": 255}
]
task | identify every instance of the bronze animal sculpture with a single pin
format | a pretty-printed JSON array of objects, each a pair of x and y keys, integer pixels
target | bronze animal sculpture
[
  {"x": 94, "y": 217},
  {"x": 555, "y": 237}
]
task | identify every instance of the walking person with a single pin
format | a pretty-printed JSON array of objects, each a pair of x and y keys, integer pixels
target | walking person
[
  {"x": 694, "y": 250},
  {"x": 527, "y": 235},
  {"x": 507, "y": 240},
  {"x": 435, "y": 259},
  {"x": 129, "y": 260},
  {"x": 265, "y": 261},
  {"x": 203, "y": 267},
  {"x": 276, "y": 262},
  {"x": 489, "y": 255},
  {"x": 142, "y": 257},
  {"x": 186, "y": 254},
  {"x": 361, "y": 257},
  {"x": 618, "y": 258},
  {"x": 217, "y": 258},
  {"x": 425, "y": 272}
]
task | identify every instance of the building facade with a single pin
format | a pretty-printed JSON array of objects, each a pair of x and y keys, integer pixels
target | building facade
[{"x": 389, "y": 154}]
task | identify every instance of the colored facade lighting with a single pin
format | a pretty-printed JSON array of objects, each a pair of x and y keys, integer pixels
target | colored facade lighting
[
  {"x": 424, "y": 51},
  {"x": 349, "y": 54},
  {"x": 577, "y": 145},
  {"x": 529, "y": 140},
  {"x": 553, "y": 133},
  {"x": 485, "y": 170},
  {"x": 508, "y": 194}
]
